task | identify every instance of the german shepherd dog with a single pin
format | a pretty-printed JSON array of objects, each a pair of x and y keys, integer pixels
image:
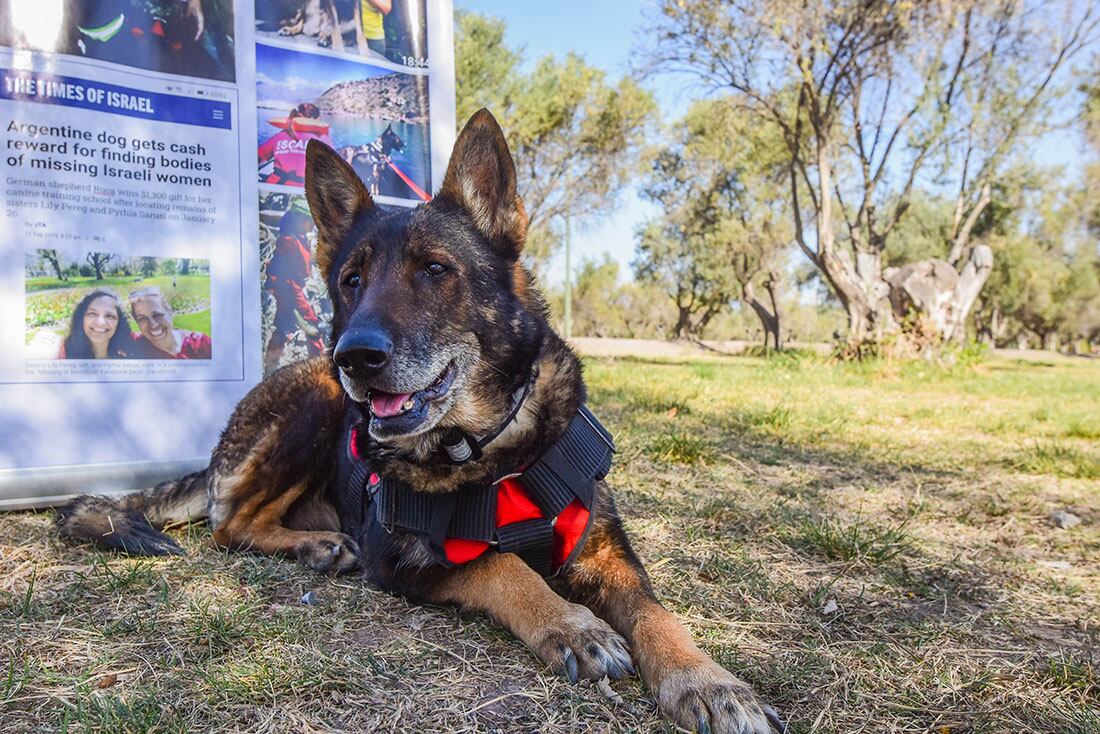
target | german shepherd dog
[
  {"x": 436, "y": 327},
  {"x": 370, "y": 159}
]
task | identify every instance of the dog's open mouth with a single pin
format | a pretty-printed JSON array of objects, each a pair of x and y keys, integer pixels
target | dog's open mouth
[{"x": 398, "y": 413}]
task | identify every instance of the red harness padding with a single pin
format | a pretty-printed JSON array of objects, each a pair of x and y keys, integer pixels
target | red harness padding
[{"x": 513, "y": 505}]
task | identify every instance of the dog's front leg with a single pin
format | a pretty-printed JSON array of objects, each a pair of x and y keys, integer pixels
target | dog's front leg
[
  {"x": 568, "y": 637},
  {"x": 691, "y": 689}
]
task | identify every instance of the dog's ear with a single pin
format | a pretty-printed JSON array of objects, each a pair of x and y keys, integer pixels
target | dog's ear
[
  {"x": 336, "y": 196},
  {"x": 481, "y": 178}
]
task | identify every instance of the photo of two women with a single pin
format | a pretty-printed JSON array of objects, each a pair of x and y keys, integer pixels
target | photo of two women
[{"x": 101, "y": 306}]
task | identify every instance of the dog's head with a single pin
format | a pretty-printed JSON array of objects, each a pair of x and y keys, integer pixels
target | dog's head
[
  {"x": 434, "y": 322},
  {"x": 391, "y": 140}
]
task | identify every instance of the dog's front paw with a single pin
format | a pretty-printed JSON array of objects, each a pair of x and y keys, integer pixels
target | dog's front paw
[
  {"x": 581, "y": 645},
  {"x": 329, "y": 552},
  {"x": 709, "y": 699}
]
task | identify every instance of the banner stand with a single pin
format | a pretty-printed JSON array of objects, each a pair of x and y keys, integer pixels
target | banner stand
[{"x": 22, "y": 489}]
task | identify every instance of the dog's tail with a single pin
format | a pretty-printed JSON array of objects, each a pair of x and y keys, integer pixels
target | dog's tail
[{"x": 132, "y": 523}]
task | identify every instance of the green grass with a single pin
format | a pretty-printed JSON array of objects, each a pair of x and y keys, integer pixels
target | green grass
[
  {"x": 759, "y": 491},
  {"x": 1059, "y": 459},
  {"x": 34, "y": 285},
  {"x": 198, "y": 284},
  {"x": 856, "y": 541},
  {"x": 198, "y": 321}
]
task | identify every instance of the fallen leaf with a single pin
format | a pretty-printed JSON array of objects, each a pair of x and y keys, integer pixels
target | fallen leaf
[
  {"x": 609, "y": 693},
  {"x": 106, "y": 681}
]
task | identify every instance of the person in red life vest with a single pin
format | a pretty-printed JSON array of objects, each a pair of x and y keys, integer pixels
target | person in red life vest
[
  {"x": 285, "y": 151},
  {"x": 98, "y": 329},
  {"x": 158, "y": 338},
  {"x": 287, "y": 273}
]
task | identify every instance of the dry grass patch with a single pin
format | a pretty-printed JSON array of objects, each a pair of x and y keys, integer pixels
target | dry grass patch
[{"x": 870, "y": 546}]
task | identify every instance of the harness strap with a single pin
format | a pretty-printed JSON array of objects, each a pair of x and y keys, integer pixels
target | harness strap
[
  {"x": 571, "y": 466},
  {"x": 461, "y": 447},
  {"x": 473, "y": 515},
  {"x": 353, "y": 477},
  {"x": 531, "y": 540}
]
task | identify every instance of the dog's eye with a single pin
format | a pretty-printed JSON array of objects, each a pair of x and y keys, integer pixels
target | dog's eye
[
  {"x": 353, "y": 280},
  {"x": 435, "y": 269}
]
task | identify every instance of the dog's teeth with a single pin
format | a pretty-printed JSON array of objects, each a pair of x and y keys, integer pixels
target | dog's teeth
[{"x": 407, "y": 405}]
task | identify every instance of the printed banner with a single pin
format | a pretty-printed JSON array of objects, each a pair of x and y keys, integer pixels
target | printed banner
[{"x": 156, "y": 253}]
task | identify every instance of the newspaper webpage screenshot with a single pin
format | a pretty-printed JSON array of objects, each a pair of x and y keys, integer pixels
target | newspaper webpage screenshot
[{"x": 156, "y": 247}]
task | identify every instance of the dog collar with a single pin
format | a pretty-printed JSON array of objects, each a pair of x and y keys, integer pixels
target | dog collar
[
  {"x": 542, "y": 513},
  {"x": 461, "y": 447}
]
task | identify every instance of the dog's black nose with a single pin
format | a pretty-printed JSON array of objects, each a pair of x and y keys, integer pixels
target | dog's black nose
[{"x": 362, "y": 350}]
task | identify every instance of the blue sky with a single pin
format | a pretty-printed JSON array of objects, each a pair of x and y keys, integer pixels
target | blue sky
[{"x": 284, "y": 78}]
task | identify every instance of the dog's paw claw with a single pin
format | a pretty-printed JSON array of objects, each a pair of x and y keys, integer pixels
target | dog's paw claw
[
  {"x": 581, "y": 645},
  {"x": 711, "y": 700},
  {"x": 570, "y": 665},
  {"x": 330, "y": 553},
  {"x": 775, "y": 719}
]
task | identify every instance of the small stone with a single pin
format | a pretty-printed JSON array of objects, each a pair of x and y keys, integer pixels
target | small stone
[
  {"x": 830, "y": 607},
  {"x": 1064, "y": 519},
  {"x": 309, "y": 598}
]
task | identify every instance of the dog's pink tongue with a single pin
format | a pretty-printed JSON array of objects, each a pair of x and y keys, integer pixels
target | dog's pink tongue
[{"x": 385, "y": 404}]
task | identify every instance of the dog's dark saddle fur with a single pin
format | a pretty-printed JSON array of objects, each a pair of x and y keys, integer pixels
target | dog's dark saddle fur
[{"x": 566, "y": 472}]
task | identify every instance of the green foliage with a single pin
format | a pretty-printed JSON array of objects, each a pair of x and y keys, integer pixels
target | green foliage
[
  {"x": 575, "y": 135},
  {"x": 724, "y": 224},
  {"x": 148, "y": 267},
  {"x": 924, "y": 233},
  {"x": 485, "y": 67},
  {"x": 604, "y": 306},
  {"x": 878, "y": 102},
  {"x": 966, "y": 355}
]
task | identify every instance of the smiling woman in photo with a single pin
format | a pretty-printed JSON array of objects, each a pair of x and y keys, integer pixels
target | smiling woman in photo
[
  {"x": 159, "y": 339},
  {"x": 98, "y": 329}
]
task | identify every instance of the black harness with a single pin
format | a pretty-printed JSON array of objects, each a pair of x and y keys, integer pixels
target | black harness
[{"x": 566, "y": 472}]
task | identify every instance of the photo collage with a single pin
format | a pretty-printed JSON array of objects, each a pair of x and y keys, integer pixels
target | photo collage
[{"x": 353, "y": 75}]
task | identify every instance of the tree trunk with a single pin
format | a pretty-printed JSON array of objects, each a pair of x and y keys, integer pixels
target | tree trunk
[
  {"x": 771, "y": 285},
  {"x": 960, "y": 230},
  {"x": 97, "y": 260},
  {"x": 51, "y": 257},
  {"x": 769, "y": 319},
  {"x": 941, "y": 296},
  {"x": 683, "y": 323},
  {"x": 973, "y": 276}
]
